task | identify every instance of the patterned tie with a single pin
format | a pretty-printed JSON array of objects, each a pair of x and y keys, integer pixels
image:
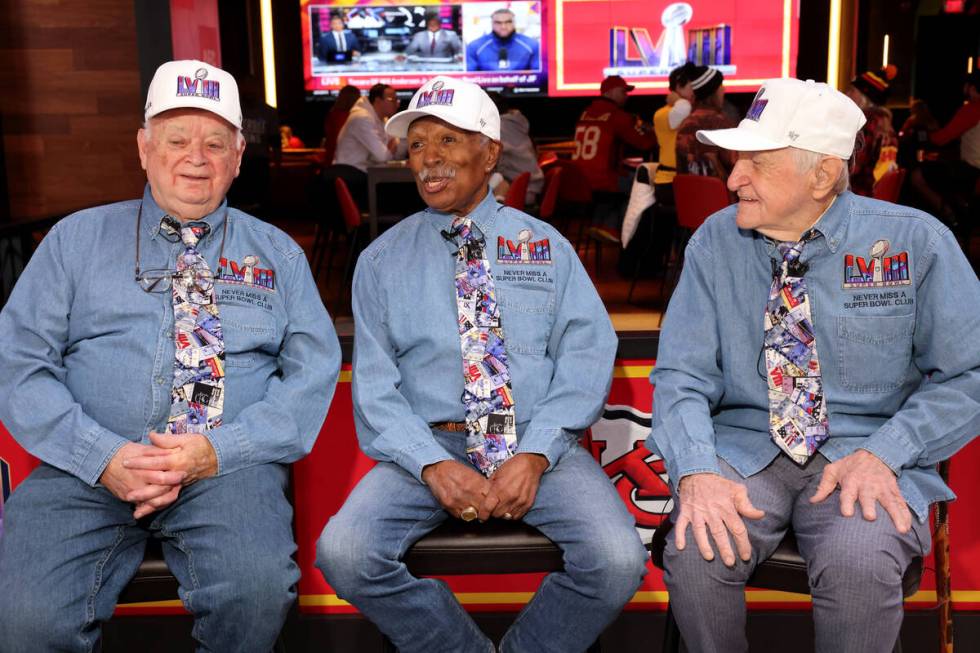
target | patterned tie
[
  {"x": 797, "y": 406},
  {"x": 432, "y": 44},
  {"x": 197, "y": 397},
  {"x": 491, "y": 429}
]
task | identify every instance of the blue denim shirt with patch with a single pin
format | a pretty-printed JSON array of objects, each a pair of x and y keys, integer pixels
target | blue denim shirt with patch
[
  {"x": 407, "y": 371},
  {"x": 87, "y": 360},
  {"x": 899, "y": 357}
]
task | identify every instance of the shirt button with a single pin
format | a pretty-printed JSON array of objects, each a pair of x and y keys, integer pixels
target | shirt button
[
  {"x": 159, "y": 380},
  {"x": 170, "y": 334}
]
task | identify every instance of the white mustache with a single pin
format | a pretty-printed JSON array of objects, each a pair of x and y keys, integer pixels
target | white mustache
[{"x": 439, "y": 173}]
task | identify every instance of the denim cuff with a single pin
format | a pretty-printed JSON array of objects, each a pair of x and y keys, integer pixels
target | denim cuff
[
  {"x": 692, "y": 462},
  {"x": 230, "y": 448},
  {"x": 892, "y": 447},
  {"x": 551, "y": 443},
  {"x": 93, "y": 453}
]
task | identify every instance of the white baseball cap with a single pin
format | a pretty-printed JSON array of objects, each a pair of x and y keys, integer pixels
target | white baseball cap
[
  {"x": 193, "y": 84},
  {"x": 461, "y": 104},
  {"x": 793, "y": 113}
]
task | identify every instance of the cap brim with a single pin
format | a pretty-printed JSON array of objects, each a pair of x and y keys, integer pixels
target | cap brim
[
  {"x": 397, "y": 126},
  {"x": 738, "y": 139},
  {"x": 630, "y": 87}
]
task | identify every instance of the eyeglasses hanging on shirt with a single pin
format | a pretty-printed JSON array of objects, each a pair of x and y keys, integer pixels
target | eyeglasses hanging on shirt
[{"x": 159, "y": 280}]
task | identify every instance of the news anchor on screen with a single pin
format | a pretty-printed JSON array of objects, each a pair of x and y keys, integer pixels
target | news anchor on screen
[
  {"x": 340, "y": 44},
  {"x": 503, "y": 48},
  {"x": 435, "y": 42}
]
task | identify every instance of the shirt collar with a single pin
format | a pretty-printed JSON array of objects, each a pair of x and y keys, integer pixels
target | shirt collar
[
  {"x": 152, "y": 214},
  {"x": 483, "y": 216},
  {"x": 833, "y": 222}
]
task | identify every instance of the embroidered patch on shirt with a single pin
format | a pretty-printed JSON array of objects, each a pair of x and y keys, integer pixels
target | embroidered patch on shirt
[
  {"x": 525, "y": 250},
  {"x": 247, "y": 273},
  {"x": 879, "y": 270}
]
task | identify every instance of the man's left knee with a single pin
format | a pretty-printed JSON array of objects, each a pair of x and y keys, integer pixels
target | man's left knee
[
  {"x": 859, "y": 562},
  {"x": 613, "y": 563}
]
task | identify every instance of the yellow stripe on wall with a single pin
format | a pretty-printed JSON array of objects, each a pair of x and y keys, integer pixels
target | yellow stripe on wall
[{"x": 632, "y": 371}]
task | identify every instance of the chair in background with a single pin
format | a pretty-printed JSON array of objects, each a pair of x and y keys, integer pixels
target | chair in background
[
  {"x": 549, "y": 195},
  {"x": 354, "y": 230},
  {"x": 574, "y": 199},
  {"x": 889, "y": 187},
  {"x": 696, "y": 197},
  {"x": 495, "y": 547},
  {"x": 330, "y": 224},
  {"x": 517, "y": 193}
]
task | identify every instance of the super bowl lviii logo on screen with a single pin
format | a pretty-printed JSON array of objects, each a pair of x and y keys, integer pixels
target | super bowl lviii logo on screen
[
  {"x": 639, "y": 476},
  {"x": 4, "y": 488}
]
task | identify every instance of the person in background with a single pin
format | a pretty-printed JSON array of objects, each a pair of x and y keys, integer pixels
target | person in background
[
  {"x": 694, "y": 157},
  {"x": 666, "y": 121},
  {"x": 288, "y": 140},
  {"x": 362, "y": 141},
  {"x": 503, "y": 48},
  {"x": 434, "y": 41},
  {"x": 955, "y": 182},
  {"x": 518, "y": 154},
  {"x": 602, "y": 134},
  {"x": 339, "y": 44},
  {"x": 876, "y": 152},
  {"x": 166, "y": 404},
  {"x": 334, "y": 121}
]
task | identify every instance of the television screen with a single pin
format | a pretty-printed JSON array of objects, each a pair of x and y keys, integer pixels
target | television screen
[
  {"x": 554, "y": 47},
  {"x": 496, "y": 44},
  {"x": 642, "y": 40}
]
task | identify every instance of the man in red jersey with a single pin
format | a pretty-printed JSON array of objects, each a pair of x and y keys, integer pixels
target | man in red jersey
[{"x": 603, "y": 131}]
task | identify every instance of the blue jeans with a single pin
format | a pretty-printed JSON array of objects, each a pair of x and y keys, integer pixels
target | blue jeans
[
  {"x": 69, "y": 549},
  {"x": 855, "y": 567},
  {"x": 577, "y": 507}
]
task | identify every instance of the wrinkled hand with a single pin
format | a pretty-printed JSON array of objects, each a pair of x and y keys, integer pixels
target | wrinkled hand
[
  {"x": 713, "y": 504},
  {"x": 863, "y": 477},
  {"x": 149, "y": 489},
  {"x": 456, "y": 486},
  {"x": 514, "y": 485},
  {"x": 190, "y": 453}
]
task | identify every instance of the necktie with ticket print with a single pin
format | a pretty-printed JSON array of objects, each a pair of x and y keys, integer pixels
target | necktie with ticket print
[
  {"x": 197, "y": 397},
  {"x": 797, "y": 406},
  {"x": 491, "y": 427}
]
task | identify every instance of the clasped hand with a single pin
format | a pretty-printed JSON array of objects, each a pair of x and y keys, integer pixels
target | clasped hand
[
  {"x": 151, "y": 476},
  {"x": 509, "y": 491}
]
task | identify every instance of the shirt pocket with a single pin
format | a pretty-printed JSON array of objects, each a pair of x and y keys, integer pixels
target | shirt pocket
[
  {"x": 527, "y": 314},
  {"x": 875, "y": 351},
  {"x": 247, "y": 331}
]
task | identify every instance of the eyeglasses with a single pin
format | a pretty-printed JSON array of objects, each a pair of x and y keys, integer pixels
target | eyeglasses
[{"x": 197, "y": 281}]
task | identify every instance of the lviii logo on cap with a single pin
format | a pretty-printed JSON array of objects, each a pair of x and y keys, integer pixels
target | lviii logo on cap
[
  {"x": 200, "y": 86},
  {"x": 437, "y": 95}
]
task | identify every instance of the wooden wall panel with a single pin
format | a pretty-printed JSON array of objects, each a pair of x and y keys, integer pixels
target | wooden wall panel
[{"x": 71, "y": 104}]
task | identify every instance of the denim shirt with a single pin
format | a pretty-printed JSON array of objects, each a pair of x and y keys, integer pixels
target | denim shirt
[
  {"x": 407, "y": 370},
  {"x": 87, "y": 364},
  {"x": 900, "y": 360}
]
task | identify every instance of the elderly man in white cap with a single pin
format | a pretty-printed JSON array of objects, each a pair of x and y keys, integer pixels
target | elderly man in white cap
[
  {"x": 164, "y": 358},
  {"x": 481, "y": 354},
  {"x": 815, "y": 361}
]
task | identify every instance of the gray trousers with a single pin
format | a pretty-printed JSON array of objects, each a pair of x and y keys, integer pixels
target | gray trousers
[{"x": 855, "y": 567}]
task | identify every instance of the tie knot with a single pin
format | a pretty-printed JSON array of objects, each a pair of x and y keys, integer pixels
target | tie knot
[
  {"x": 790, "y": 251},
  {"x": 463, "y": 228},
  {"x": 191, "y": 233}
]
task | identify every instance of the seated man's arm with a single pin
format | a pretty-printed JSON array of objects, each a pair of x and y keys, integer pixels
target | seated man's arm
[
  {"x": 387, "y": 427},
  {"x": 415, "y": 46},
  {"x": 965, "y": 118},
  {"x": 688, "y": 384},
  {"x": 35, "y": 404},
  {"x": 624, "y": 125}
]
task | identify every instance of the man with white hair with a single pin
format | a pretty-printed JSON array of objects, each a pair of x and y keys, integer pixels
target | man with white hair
[
  {"x": 481, "y": 353},
  {"x": 164, "y": 359},
  {"x": 815, "y": 354}
]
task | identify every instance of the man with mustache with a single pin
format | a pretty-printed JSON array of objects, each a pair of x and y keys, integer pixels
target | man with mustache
[{"x": 482, "y": 352}]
